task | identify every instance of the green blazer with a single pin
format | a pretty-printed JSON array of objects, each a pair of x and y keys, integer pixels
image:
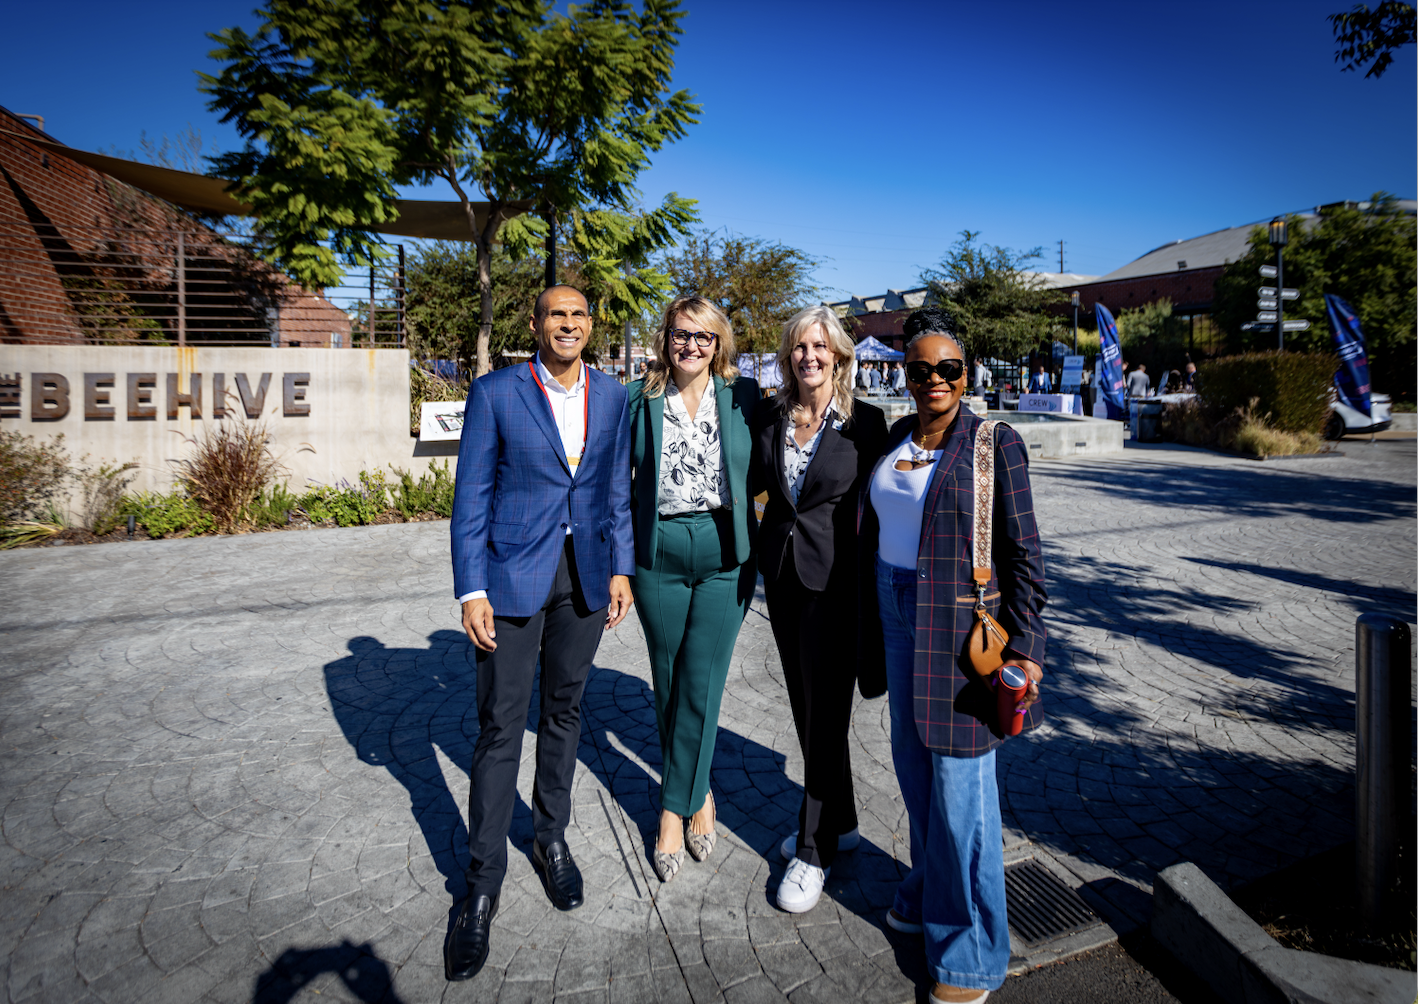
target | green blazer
[{"x": 737, "y": 402}]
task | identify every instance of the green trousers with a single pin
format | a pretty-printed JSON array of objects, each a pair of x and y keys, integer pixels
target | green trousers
[{"x": 691, "y": 608}]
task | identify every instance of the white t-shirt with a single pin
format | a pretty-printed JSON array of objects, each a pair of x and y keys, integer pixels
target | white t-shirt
[{"x": 899, "y": 498}]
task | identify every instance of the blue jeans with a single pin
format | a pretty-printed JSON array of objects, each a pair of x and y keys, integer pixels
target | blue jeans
[{"x": 955, "y": 889}]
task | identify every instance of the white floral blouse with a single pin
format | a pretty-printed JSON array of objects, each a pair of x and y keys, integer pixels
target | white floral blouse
[
  {"x": 692, "y": 474},
  {"x": 797, "y": 458}
]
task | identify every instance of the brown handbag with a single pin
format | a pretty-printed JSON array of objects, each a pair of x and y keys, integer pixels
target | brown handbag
[{"x": 984, "y": 648}]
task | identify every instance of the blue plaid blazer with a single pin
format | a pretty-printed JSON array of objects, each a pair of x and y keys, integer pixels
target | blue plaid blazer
[
  {"x": 515, "y": 493},
  {"x": 954, "y": 711}
]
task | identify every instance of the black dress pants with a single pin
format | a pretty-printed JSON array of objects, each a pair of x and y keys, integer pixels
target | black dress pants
[
  {"x": 564, "y": 635},
  {"x": 817, "y": 642}
]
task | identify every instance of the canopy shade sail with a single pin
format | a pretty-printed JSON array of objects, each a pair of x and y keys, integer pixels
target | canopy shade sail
[
  {"x": 202, "y": 193},
  {"x": 870, "y": 348}
]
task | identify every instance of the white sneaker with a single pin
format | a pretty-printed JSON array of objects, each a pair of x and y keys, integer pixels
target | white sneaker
[
  {"x": 801, "y": 887},
  {"x": 846, "y": 842},
  {"x": 897, "y": 922}
]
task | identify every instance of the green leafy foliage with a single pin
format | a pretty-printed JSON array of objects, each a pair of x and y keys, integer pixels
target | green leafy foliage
[
  {"x": 432, "y": 492},
  {"x": 1000, "y": 309},
  {"x": 101, "y": 492},
  {"x": 33, "y": 474},
  {"x": 758, "y": 284},
  {"x": 345, "y": 504},
  {"x": 164, "y": 513},
  {"x": 269, "y": 508},
  {"x": 1367, "y": 256},
  {"x": 1371, "y": 36},
  {"x": 1288, "y": 391},
  {"x": 342, "y": 100},
  {"x": 1151, "y": 335}
]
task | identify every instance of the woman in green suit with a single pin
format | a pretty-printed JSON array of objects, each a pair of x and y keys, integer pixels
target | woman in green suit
[{"x": 694, "y": 577}]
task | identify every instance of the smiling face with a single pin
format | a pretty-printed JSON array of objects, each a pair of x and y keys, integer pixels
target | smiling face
[
  {"x": 563, "y": 326},
  {"x": 691, "y": 359},
  {"x": 935, "y": 398},
  {"x": 812, "y": 359}
]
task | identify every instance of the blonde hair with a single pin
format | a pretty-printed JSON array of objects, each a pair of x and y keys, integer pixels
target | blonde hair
[
  {"x": 709, "y": 318},
  {"x": 842, "y": 351}
]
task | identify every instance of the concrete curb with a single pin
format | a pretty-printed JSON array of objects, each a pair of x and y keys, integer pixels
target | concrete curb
[{"x": 1194, "y": 920}]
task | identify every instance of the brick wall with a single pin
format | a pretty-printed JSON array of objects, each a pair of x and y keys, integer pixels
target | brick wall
[{"x": 78, "y": 247}]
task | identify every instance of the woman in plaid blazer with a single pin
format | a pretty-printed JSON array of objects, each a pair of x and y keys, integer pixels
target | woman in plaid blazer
[{"x": 944, "y": 727}]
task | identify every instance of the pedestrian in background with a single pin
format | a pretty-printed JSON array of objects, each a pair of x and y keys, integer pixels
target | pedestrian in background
[
  {"x": 814, "y": 448},
  {"x": 898, "y": 380},
  {"x": 944, "y": 721},
  {"x": 694, "y": 577},
  {"x": 1139, "y": 384}
]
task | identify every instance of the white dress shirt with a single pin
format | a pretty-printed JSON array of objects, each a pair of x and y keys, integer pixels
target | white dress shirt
[{"x": 568, "y": 411}]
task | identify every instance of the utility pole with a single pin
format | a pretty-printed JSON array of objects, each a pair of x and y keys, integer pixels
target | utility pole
[{"x": 1060, "y": 256}]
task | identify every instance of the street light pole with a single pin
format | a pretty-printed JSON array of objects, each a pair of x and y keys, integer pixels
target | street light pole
[
  {"x": 1278, "y": 240},
  {"x": 1074, "y": 298}
]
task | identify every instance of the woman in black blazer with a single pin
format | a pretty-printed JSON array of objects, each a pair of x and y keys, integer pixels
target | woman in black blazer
[{"x": 813, "y": 450}]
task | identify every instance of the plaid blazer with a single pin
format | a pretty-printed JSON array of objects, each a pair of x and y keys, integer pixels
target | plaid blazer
[
  {"x": 515, "y": 493},
  {"x": 954, "y": 711}
]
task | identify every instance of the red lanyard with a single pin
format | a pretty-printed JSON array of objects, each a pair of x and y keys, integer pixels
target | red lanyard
[{"x": 585, "y": 417}]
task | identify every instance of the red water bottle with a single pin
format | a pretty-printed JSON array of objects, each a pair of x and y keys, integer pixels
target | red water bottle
[{"x": 1010, "y": 687}]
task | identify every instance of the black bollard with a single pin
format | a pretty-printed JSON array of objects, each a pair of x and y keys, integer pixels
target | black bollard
[
  {"x": 132, "y": 525},
  {"x": 1383, "y": 748}
]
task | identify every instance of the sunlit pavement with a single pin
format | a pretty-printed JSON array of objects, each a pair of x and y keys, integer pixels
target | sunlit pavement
[{"x": 235, "y": 769}]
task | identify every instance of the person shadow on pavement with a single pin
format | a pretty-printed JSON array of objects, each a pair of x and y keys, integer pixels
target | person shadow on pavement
[{"x": 399, "y": 707}]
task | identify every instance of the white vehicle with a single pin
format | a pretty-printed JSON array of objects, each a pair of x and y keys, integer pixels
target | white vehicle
[{"x": 1347, "y": 421}]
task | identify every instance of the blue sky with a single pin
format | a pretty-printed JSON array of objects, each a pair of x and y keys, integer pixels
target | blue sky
[{"x": 870, "y": 135}]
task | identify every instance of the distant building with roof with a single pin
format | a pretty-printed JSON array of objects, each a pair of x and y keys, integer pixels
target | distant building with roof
[{"x": 1183, "y": 271}]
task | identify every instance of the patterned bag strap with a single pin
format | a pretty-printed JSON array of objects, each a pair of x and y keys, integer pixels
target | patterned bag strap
[{"x": 984, "y": 505}]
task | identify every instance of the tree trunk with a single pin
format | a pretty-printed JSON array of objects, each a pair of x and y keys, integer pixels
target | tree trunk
[
  {"x": 484, "y": 245},
  {"x": 550, "y": 216}
]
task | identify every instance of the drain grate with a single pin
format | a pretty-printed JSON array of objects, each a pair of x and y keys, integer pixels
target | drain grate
[{"x": 1041, "y": 907}]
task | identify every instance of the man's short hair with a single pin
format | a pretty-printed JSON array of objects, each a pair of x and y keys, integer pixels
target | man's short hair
[{"x": 537, "y": 306}]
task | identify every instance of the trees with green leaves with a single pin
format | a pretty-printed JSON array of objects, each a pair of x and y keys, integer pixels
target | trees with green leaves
[
  {"x": 602, "y": 252},
  {"x": 1366, "y": 256},
  {"x": 340, "y": 101},
  {"x": 1371, "y": 36},
  {"x": 1000, "y": 308},
  {"x": 757, "y": 283}
]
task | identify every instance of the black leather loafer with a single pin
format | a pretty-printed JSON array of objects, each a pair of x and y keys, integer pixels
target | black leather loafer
[
  {"x": 465, "y": 948},
  {"x": 559, "y": 874}
]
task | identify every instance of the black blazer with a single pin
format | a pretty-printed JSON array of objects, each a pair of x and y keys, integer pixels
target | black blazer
[
  {"x": 828, "y": 553},
  {"x": 822, "y": 529}
]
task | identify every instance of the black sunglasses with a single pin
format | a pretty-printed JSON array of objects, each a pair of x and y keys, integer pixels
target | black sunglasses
[
  {"x": 704, "y": 339},
  {"x": 949, "y": 370}
]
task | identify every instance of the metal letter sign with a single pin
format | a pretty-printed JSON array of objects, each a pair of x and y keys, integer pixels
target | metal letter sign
[
  {"x": 1284, "y": 294},
  {"x": 1265, "y": 315},
  {"x": 1267, "y": 303},
  {"x": 1268, "y": 272},
  {"x": 1296, "y": 325},
  {"x": 1289, "y": 294}
]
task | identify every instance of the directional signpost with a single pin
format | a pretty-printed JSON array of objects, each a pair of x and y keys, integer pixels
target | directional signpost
[{"x": 1270, "y": 300}]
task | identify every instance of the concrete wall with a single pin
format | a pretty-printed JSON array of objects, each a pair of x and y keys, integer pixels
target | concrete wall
[{"x": 331, "y": 412}]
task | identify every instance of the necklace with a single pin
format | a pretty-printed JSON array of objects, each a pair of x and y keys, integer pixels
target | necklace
[{"x": 922, "y": 455}]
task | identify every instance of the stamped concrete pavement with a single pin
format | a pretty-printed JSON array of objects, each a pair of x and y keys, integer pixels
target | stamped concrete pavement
[{"x": 235, "y": 769}]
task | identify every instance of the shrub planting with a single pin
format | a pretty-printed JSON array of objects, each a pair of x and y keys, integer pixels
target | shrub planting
[
  {"x": 432, "y": 492},
  {"x": 346, "y": 505},
  {"x": 33, "y": 475},
  {"x": 1291, "y": 389},
  {"x": 230, "y": 465},
  {"x": 161, "y": 514}
]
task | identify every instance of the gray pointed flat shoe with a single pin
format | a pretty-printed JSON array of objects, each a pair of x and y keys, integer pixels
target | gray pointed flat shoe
[{"x": 701, "y": 845}]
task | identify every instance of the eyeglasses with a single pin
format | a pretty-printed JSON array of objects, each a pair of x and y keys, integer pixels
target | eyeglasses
[
  {"x": 949, "y": 370},
  {"x": 704, "y": 339}
]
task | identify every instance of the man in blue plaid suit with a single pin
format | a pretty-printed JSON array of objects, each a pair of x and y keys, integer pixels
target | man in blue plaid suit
[{"x": 542, "y": 551}]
